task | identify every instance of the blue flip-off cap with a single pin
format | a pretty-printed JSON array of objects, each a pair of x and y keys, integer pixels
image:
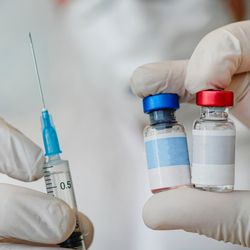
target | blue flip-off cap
[{"x": 160, "y": 101}]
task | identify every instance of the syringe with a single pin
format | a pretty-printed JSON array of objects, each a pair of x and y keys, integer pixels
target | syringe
[{"x": 56, "y": 171}]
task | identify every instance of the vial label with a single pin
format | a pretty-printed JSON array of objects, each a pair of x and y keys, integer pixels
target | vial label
[
  {"x": 213, "y": 157},
  {"x": 167, "y": 160}
]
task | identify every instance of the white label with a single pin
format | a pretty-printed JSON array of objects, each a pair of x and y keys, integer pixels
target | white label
[
  {"x": 163, "y": 135},
  {"x": 167, "y": 160},
  {"x": 213, "y": 157},
  {"x": 169, "y": 177}
]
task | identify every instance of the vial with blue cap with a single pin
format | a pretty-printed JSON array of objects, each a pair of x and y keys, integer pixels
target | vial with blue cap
[{"x": 165, "y": 144}]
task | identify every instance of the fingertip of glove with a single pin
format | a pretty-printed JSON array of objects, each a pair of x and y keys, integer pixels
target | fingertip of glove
[
  {"x": 218, "y": 57},
  {"x": 137, "y": 81},
  {"x": 87, "y": 229},
  {"x": 158, "y": 209},
  {"x": 37, "y": 169},
  {"x": 150, "y": 79},
  {"x": 62, "y": 223},
  {"x": 22, "y": 158},
  {"x": 150, "y": 214}
]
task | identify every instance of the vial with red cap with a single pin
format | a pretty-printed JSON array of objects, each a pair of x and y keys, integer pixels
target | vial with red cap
[{"x": 214, "y": 142}]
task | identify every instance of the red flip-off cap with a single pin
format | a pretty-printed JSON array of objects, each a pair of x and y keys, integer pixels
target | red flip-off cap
[{"x": 215, "y": 98}]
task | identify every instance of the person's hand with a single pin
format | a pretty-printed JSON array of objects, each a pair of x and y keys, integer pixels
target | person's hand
[
  {"x": 220, "y": 61},
  {"x": 221, "y": 216},
  {"x": 29, "y": 217}
]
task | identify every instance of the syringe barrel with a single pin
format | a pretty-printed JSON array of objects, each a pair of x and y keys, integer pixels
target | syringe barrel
[{"x": 59, "y": 184}]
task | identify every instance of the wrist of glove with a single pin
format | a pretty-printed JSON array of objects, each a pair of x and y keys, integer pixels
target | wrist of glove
[{"x": 30, "y": 217}]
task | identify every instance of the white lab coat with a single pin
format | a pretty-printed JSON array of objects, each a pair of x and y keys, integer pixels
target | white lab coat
[{"x": 93, "y": 47}]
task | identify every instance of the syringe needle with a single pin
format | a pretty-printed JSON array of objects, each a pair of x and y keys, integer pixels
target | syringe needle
[{"x": 36, "y": 68}]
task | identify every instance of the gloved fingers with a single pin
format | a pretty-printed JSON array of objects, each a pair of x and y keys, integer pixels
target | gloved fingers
[
  {"x": 240, "y": 85},
  {"x": 28, "y": 215},
  {"x": 241, "y": 110},
  {"x": 20, "y": 158},
  {"x": 11, "y": 246},
  {"x": 85, "y": 225},
  {"x": 222, "y": 216},
  {"x": 161, "y": 77},
  {"x": 219, "y": 55},
  {"x": 87, "y": 229}
]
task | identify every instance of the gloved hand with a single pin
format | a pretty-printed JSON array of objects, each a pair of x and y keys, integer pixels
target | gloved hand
[
  {"x": 220, "y": 61},
  {"x": 26, "y": 216}
]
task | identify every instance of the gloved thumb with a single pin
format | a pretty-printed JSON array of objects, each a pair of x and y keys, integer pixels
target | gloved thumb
[
  {"x": 221, "y": 216},
  {"x": 223, "y": 62},
  {"x": 161, "y": 77}
]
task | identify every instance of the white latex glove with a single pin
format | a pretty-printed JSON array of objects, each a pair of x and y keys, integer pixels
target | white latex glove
[
  {"x": 27, "y": 216},
  {"x": 220, "y": 61},
  {"x": 221, "y": 216}
]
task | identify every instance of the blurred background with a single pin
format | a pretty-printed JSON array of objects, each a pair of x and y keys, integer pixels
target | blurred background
[{"x": 87, "y": 51}]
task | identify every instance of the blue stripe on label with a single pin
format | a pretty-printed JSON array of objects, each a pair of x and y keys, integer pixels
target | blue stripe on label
[{"x": 166, "y": 152}]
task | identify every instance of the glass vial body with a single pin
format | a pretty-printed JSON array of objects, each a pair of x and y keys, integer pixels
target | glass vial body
[
  {"x": 213, "y": 151},
  {"x": 166, "y": 151}
]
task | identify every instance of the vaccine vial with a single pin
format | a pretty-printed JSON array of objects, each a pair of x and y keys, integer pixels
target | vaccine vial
[
  {"x": 214, "y": 142},
  {"x": 165, "y": 144}
]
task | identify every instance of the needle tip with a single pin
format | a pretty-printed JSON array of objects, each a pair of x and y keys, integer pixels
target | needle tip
[{"x": 30, "y": 37}]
